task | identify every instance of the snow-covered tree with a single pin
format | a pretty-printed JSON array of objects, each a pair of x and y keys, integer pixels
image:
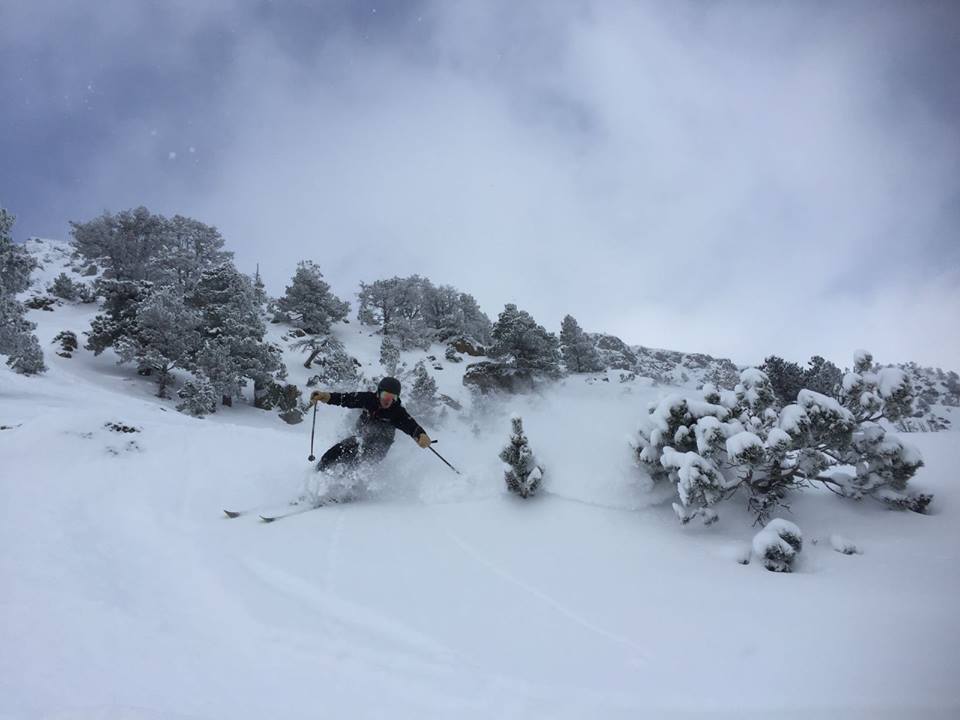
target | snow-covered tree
[
  {"x": 166, "y": 336},
  {"x": 328, "y": 357},
  {"x": 123, "y": 244},
  {"x": 232, "y": 348},
  {"x": 522, "y": 473},
  {"x": 16, "y": 340},
  {"x": 735, "y": 441},
  {"x": 786, "y": 378},
  {"x": 822, "y": 376},
  {"x": 197, "y": 397},
  {"x": 424, "y": 401},
  {"x": 118, "y": 315},
  {"x": 521, "y": 343},
  {"x": 187, "y": 248},
  {"x": 65, "y": 288},
  {"x": 417, "y": 312},
  {"x": 579, "y": 353},
  {"x": 389, "y": 355},
  {"x": 308, "y": 301}
]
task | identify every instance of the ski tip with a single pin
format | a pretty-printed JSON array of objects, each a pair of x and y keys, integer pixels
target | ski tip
[
  {"x": 231, "y": 513},
  {"x": 266, "y": 519}
]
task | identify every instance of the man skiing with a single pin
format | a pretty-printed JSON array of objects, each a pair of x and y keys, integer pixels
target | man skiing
[{"x": 376, "y": 426}]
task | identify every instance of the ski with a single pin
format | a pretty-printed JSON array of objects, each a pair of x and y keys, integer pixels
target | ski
[{"x": 298, "y": 511}]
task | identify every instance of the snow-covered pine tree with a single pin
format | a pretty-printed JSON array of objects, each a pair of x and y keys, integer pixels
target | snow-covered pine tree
[
  {"x": 389, "y": 355},
  {"x": 118, "y": 315},
  {"x": 197, "y": 397},
  {"x": 521, "y": 343},
  {"x": 187, "y": 248},
  {"x": 328, "y": 357},
  {"x": 822, "y": 376},
  {"x": 166, "y": 336},
  {"x": 786, "y": 378},
  {"x": 424, "y": 401},
  {"x": 308, "y": 301},
  {"x": 16, "y": 339},
  {"x": 123, "y": 244},
  {"x": 521, "y": 472},
  {"x": 579, "y": 353},
  {"x": 232, "y": 348},
  {"x": 65, "y": 288}
]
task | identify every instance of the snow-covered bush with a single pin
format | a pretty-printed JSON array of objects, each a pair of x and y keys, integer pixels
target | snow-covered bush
[
  {"x": 65, "y": 288},
  {"x": 197, "y": 397},
  {"x": 778, "y": 545},
  {"x": 328, "y": 357},
  {"x": 389, "y": 355},
  {"x": 522, "y": 473},
  {"x": 68, "y": 343},
  {"x": 730, "y": 442}
]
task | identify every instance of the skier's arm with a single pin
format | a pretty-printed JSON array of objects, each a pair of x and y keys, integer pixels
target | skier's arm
[
  {"x": 412, "y": 428},
  {"x": 356, "y": 400}
]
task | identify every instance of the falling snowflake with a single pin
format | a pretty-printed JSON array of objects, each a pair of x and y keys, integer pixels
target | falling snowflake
[{"x": 171, "y": 155}]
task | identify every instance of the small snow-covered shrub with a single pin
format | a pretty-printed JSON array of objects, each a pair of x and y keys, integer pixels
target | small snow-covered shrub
[
  {"x": 521, "y": 472},
  {"x": 778, "y": 544},
  {"x": 65, "y": 288},
  {"x": 843, "y": 545},
  {"x": 198, "y": 398}
]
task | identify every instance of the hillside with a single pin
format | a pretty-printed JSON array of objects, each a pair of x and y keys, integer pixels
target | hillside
[{"x": 128, "y": 594}]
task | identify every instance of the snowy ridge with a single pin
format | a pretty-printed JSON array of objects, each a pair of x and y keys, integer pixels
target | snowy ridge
[{"x": 128, "y": 594}]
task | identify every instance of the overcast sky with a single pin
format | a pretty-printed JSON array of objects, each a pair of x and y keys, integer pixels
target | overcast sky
[{"x": 738, "y": 178}]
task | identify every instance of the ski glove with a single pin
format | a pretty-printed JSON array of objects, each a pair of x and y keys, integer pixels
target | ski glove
[
  {"x": 424, "y": 440},
  {"x": 319, "y": 396}
]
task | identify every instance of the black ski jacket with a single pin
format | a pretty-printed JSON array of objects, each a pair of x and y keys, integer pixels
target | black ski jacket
[{"x": 376, "y": 424}]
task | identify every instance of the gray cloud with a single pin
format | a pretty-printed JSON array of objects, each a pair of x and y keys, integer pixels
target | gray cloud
[{"x": 739, "y": 179}]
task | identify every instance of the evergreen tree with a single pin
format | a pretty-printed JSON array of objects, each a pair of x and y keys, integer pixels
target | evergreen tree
[
  {"x": 519, "y": 341},
  {"x": 786, "y": 378},
  {"x": 389, "y": 356},
  {"x": 424, "y": 400},
  {"x": 579, "y": 353},
  {"x": 187, "y": 248},
  {"x": 197, "y": 397},
  {"x": 232, "y": 348},
  {"x": 166, "y": 336},
  {"x": 118, "y": 318},
  {"x": 822, "y": 376},
  {"x": 65, "y": 288},
  {"x": 309, "y": 302},
  {"x": 123, "y": 244},
  {"x": 16, "y": 340},
  {"x": 522, "y": 474}
]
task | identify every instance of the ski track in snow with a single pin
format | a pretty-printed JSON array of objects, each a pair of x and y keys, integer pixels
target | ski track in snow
[{"x": 640, "y": 654}]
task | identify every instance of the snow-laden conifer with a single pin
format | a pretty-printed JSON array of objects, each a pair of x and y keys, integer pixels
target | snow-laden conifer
[
  {"x": 577, "y": 348},
  {"x": 16, "y": 340},
  {"x": 308, "y": 301},
  {"x": 424, "y": 400},
  {"x": 521, "y": 343},
  {"x": 521, "y": 472}
]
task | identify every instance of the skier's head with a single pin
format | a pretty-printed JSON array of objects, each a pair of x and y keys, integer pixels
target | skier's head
[{"x": 388, "y": 390}]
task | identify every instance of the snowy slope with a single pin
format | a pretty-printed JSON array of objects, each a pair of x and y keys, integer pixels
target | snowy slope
[{"x": 127, "y": 594}]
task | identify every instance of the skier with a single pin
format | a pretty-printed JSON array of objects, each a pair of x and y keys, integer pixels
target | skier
[{"x": 376, "y": 426}]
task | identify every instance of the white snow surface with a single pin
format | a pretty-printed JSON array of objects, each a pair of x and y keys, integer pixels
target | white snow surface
[{"x": 126, "y": 593}]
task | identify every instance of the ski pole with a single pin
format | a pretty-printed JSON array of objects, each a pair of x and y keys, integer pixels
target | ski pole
[
  {"x": 444, "y": 459},
  {"x": 312, "y": 428}
]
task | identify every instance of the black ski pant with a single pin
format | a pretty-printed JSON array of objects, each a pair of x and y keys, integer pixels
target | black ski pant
[{"x": 352, "y": 451}]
